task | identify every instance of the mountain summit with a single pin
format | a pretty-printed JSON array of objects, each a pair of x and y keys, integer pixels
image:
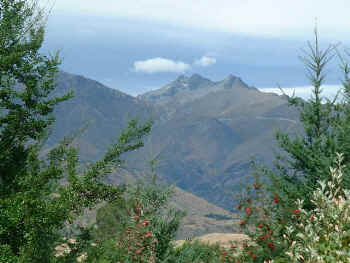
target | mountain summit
[
  {"x": 195, "y": 79},
  {"x": 232, "y": 81},
  {"x": 185, "y": 89}
]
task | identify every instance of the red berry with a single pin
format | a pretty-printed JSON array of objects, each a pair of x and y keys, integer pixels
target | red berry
[
  {"x": 297, "y": 211},
  {"x": 148, "y": 234},
  {"x": 271, "y": 245}
]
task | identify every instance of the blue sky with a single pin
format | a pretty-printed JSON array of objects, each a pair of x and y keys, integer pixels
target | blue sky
[{"x": 139, "y": 45}]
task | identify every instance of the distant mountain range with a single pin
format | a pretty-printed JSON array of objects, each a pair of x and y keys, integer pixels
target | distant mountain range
[{"x": 204, "y": 132}]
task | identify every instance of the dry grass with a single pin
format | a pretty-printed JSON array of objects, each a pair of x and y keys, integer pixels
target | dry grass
[{"x": 222, "y": 239}]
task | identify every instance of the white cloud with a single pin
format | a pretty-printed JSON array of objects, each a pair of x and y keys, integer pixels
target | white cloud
[
  {"x": 205, "y": 61},
  {"x": 263, "y": 18},
  {"x": 305, "y": 92},
  {"x": 155, "y": 65}
]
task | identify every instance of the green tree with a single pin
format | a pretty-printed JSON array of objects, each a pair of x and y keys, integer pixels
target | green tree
[
  {"x": 304, "y": 161},
  {"x": 26, "y": 79},
  {"x": 115, "y": 219},
  {"x": 326, "y": 123},
  {"x": 34, "y": 205}
]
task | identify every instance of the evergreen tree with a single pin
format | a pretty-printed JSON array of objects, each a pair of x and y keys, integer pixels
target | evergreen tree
[
  {"x": 34, "y": 205},
  {"x": 26, "y": 79},
  {"x": 326, "y": 125}
]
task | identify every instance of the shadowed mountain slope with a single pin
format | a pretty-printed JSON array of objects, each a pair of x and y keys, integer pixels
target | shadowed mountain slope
[{"x": 106, "y": 110}]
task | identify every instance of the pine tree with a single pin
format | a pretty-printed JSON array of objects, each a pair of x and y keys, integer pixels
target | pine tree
[
  {"x": 26, "y": 79},
  {"x": 326, "y": 123},
  {"x": 34, "y": 205}
]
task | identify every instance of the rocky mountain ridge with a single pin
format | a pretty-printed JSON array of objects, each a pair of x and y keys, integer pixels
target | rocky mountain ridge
[{"x": 186, "y": 89}]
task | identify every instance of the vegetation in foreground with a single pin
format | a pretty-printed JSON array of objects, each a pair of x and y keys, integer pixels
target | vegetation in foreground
[{"x": 136, "y": 226}]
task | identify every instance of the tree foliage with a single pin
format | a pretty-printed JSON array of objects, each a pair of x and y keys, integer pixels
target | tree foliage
[
  {"x": 326, "y": 123},
  {"x": 268, "y": 210},
  {"x": 34, "y": 203},
  {"x": 126, "y": 221}
]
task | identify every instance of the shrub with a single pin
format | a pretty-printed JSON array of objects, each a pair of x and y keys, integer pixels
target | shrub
[
  {"x": 298, "y": 235},
  {"x": 196, "y": 252},
  {"x": 323, "y": 234},
  {"x": 139, "y": 227}
]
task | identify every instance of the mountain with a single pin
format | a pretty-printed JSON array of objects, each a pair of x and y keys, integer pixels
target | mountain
[
  {"x": 108, "y": 111},
  {"x": 204, "y": 132},
  {"x": 183, "y": 89},
  {"x": 209, "y": 130}
]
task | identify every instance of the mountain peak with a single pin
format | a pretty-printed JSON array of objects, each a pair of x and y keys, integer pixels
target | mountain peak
[
  {"x": 232, "y": 80},
  {"x": 196, "y": 76},
  {"x": 189, "y": 83},
  {"x": 181, "y": 78},
  {"x": 230, "y": 77},
  {"x": 196, "y": 81},
  {"x": 229, "y": 81},
  {"x": 187, "y": 88}
]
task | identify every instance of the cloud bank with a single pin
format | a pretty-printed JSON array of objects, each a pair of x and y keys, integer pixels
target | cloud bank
[
  {"x": 205, "y": 61},
  {"x": 305, "y": 92},
  {"x": 155, "y": 65},
  {"x": 263, "y": 18}
]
